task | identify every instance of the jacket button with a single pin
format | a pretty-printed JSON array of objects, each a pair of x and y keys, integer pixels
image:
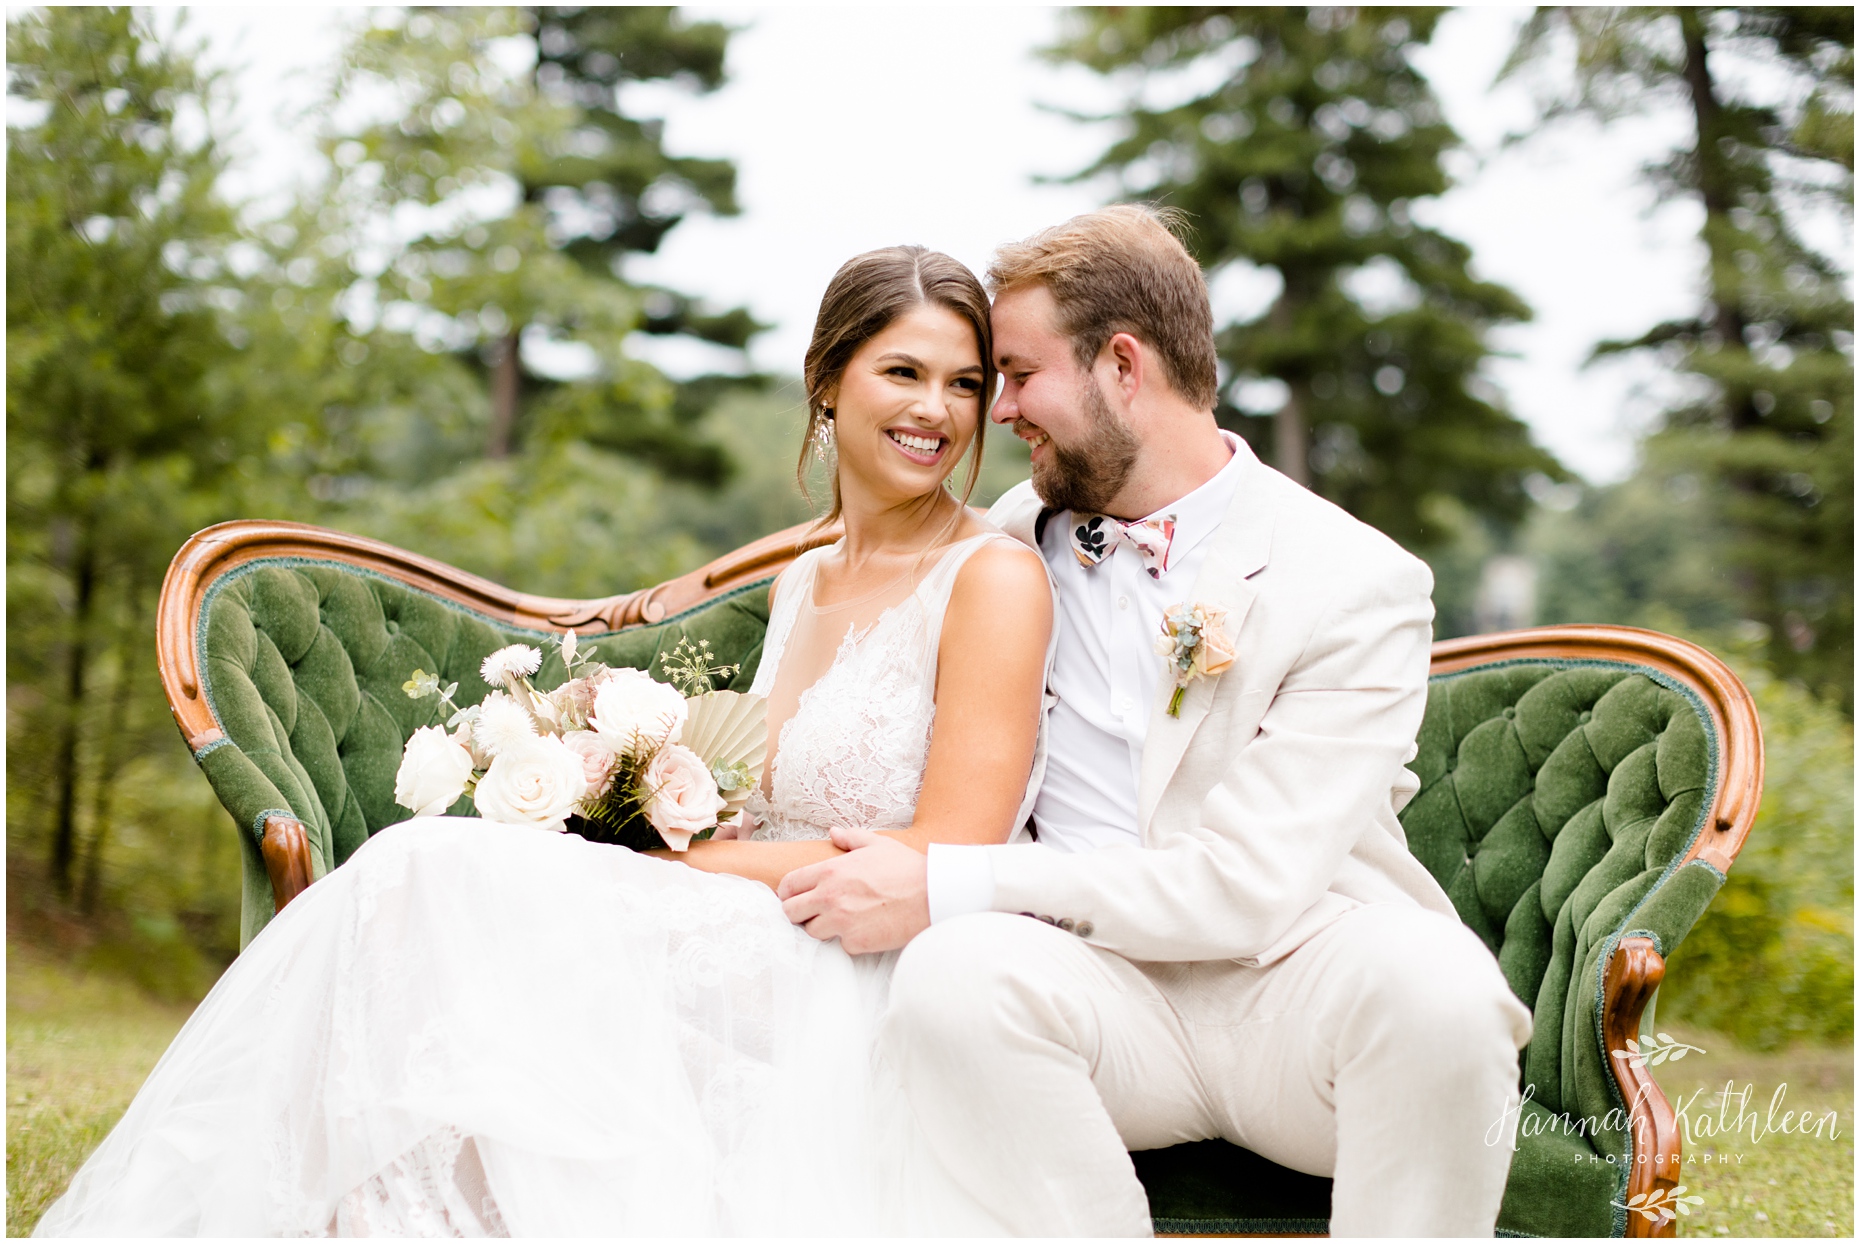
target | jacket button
[
  {"x": 1066, "y": 923},
  {"x": 1046, "y": 919},
  {"x": 1084, "y": 928}
]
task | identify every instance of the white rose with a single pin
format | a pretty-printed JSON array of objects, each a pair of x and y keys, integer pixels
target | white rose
[
  {"x": 682, "y": 796},
  {"x": 433, "y": 772},
  {"x": 535, "y": 783},
  {"x": 597, "y": 759},
  {"x": 635, "y": 714}
]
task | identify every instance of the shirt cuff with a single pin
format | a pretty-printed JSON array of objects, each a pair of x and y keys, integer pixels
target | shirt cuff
[{"x": 960, "y": 880}]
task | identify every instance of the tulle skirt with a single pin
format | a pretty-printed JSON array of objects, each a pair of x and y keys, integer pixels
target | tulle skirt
[{"x": 475, "y": 1029}]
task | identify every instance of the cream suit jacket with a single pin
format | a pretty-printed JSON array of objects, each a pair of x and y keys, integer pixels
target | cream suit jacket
[{"x": 1267, "y": 809}]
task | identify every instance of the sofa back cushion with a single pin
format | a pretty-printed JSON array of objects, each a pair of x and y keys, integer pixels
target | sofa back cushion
[{"x": 303, "y": 663}]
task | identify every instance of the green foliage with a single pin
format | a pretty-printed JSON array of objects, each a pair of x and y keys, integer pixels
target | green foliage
[
  {"x": 484, "y": 209},
  {"x": 171, "y": 365},
  {"x": 1772, "y": 959},
  {"x": 618, "y": 187},
  {"x": 1772, "y": 346},
  {"x": 559, "y": 521},
  {"x": 120, "y": 436},
  {"x": 1738, "y": 527},
  {"x": 1648, "y": 551},
  {"x": 1306, "y": 139}
]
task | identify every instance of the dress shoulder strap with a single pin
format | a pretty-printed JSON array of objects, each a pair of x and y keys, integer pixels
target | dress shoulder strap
[{"x": 797, "y": 586}]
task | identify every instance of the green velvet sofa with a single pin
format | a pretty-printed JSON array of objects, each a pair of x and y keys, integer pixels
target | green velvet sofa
[{"x": 1583, "y": 792}]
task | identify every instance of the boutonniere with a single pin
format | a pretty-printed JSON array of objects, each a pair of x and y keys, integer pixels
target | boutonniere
[{"x": 1194, "y": 644}]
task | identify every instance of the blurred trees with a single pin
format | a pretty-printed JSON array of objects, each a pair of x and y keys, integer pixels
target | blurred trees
[
  {"x": 488, "y": 189},
  {"x": 1737, "y": 527},
  {"x": 1769, "y": 439},
  {"x": 461, "y": 276},
  {"x": 173, "y": 362},
  {"x": 121, "y": 438},
  {"x": 1300, "y": 140}
]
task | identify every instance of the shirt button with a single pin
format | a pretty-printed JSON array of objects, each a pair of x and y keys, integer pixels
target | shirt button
[
  {"x": 1084, "y": 928},
  {"x": 1065, "y": 922},
  {"x": 1123, "y": 602}
]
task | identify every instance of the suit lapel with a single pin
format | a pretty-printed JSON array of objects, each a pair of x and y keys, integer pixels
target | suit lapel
[{"x": 1240, "y": 548}]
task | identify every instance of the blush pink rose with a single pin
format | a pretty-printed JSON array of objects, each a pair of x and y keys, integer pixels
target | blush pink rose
[
  {"x": 597, "y": 759},
  {"x": 682, "y": 796}
]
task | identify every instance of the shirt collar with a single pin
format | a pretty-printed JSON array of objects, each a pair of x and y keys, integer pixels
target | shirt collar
[{"x": 1199, "y": 514}]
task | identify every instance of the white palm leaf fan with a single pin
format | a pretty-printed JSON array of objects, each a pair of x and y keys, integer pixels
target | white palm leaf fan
[{"x": 727, "y": 728}]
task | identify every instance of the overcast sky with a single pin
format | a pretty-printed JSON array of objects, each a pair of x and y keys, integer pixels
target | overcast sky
[{"x": 860, "y": 127}]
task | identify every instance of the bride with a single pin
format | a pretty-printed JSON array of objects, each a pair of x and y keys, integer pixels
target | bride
[{"x": 476, "y": 1029}]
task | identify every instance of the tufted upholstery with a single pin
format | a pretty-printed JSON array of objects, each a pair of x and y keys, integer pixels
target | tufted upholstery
[{"x": 1556, "y": 800}]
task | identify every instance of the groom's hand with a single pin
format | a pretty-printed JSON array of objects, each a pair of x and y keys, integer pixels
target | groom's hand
[{"x": 873, "y": 898}]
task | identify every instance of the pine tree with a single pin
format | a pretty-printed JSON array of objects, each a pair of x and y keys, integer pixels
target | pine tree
[
  {"x": 628, "y": 193},
  {"x": 492, "y": 206},
  {"x": 1302, "y": 141},
  {"x": 118, "y": 440},
  {"x": 1773, "y": 338}
]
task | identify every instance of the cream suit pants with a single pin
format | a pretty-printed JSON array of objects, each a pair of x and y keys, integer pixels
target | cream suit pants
[{"x": 1382, "y": 1053}]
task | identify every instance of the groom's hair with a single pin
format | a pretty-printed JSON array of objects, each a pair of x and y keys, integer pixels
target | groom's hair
[{"x": 1122, "y": 270}]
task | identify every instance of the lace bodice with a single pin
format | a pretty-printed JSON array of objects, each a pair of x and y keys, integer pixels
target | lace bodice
[{"x": 853, "y": 754}]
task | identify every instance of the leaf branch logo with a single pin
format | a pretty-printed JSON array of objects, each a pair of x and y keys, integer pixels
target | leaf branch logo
[
  {"x": 1650, "y": 1205},
  {"x": 1657, "y": 1049}
]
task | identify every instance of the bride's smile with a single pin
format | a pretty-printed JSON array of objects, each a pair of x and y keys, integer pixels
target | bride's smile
[{"x": 925, "y": 450}]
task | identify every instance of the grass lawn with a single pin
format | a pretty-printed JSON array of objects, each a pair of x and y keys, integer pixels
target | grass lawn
[
  {"x": 78, "y": 1046},
  {"x": 77, "y": 1049},
  {"x": 1757, "y": 1181}
]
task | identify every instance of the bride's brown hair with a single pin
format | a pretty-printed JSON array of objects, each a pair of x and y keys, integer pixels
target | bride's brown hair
[{"x": 863, "y": 298}]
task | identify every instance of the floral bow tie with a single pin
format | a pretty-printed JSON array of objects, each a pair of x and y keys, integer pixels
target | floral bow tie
[{"x": 1097, "y": 536}]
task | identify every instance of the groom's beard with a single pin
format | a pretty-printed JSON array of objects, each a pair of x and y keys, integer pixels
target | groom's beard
[{"x": 1087, "y": 476}]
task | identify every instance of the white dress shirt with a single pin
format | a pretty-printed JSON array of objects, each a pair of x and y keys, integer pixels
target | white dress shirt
[{"x": 1104, "y": 675}]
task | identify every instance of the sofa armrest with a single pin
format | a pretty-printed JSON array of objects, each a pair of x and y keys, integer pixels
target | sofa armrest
[
  {"x": 1634, "y": 972},
  {"x": 286, "y": 848}
]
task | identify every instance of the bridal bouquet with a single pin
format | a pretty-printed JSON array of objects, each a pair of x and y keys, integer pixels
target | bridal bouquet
[{"x": 610, "y": 754}]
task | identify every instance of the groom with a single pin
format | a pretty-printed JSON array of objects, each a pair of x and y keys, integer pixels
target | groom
[{"x": 1220, "y": 932}]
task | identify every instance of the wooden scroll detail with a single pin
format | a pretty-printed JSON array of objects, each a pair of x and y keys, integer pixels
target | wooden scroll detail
[
  {"x": 286, "y": 848},
  {"x": 1634, "y": 972},
  {"x": 1732, "y": 711},
  {"x": 211, "y": 553}
]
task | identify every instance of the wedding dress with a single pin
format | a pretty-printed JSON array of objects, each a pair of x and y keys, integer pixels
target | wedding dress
[{"x": 475, "y": 1029}]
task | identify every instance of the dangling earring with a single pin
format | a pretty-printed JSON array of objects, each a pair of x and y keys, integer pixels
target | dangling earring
[{"x": 823, "y": 437}]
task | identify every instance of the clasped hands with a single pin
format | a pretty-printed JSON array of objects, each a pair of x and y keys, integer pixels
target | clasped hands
[{"x": 874, "y": 898}]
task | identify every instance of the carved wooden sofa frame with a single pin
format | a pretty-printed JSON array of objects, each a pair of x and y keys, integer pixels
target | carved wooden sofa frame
[{"x": 1634, "y": 968}]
